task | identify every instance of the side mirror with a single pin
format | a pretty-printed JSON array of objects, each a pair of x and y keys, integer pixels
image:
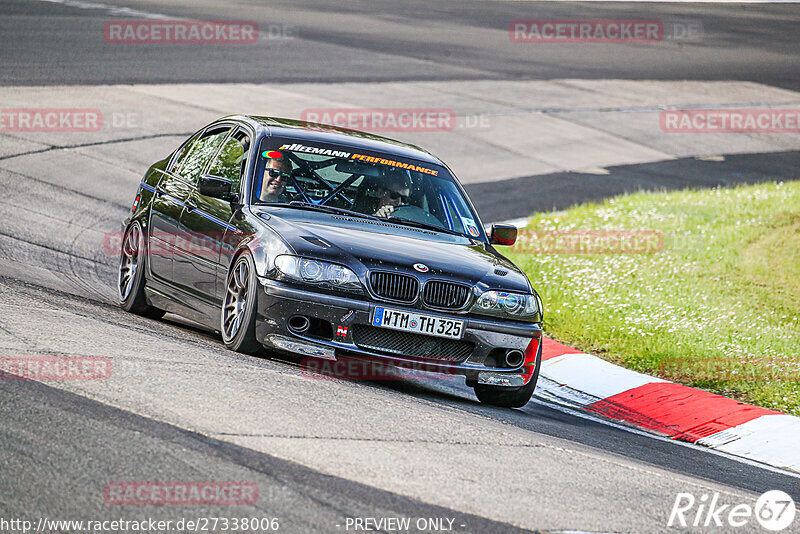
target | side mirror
[
  {"x": 503, "y": 234},
  {"x": 215, "y": 187}
]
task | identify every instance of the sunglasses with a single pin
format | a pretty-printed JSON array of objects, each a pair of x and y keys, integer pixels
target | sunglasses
[
  {"x": 277, "y": 173},
  {"x": 394, "y": 195}
]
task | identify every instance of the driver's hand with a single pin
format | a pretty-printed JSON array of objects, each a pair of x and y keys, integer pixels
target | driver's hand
[{"x": 384, "y": 211}]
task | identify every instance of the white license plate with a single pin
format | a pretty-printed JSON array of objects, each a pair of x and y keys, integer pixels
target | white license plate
[{"x": 418, "y": 323}]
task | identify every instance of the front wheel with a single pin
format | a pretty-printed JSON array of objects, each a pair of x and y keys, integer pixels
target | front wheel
[
  {"x": 240, "y": 306},
  {"x": 131, "y": 282},
  {"x": 506, "y": 397}
]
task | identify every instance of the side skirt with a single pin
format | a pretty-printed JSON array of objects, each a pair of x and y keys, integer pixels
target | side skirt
[{"x": 175, "y": 301}]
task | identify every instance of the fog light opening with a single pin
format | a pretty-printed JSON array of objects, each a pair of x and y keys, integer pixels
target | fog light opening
[{"x": 298, "y": 324}]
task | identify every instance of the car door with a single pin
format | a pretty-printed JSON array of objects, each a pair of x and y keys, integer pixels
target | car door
[
  {"x": 166, "y": 211},
  {"x": 206, "y": 219},
  {"x": 171, "y": 194}
]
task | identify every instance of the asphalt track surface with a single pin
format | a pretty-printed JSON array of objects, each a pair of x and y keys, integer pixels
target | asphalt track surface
[
  {"x": 407, "y": 40},
  {"x": 181, "y": 407},
  {"x": 507, "y": 199}
]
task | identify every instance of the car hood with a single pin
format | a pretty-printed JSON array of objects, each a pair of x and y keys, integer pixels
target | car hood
[{"x": 365, "y": 244}]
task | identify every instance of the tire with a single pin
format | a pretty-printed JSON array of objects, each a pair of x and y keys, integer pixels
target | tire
[
  {"x": 506, "y": 397},
  {"x": 131, "y": 280},
  {"x": 240, "y": 305}
]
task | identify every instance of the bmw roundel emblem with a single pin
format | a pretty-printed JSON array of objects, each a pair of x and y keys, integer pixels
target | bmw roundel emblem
[{"x": 421, "y": 267}]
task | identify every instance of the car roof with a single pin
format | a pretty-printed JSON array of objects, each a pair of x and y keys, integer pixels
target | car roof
[{"x": 324, "y": 133}]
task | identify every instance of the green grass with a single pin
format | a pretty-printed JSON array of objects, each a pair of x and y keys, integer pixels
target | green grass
[{"x": 717, "y": 308}]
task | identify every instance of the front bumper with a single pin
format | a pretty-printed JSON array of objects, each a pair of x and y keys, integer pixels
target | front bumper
[{"x": 278, "y": 302}]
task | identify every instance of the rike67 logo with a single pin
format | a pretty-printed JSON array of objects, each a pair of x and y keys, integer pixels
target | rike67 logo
[{"x": 774, "y": 510}]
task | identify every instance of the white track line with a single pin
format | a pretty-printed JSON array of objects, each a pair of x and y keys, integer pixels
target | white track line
[{"x": 112, "y": 10}]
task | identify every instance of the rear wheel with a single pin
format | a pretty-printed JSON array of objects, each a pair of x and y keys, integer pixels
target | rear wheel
[
  {"x": 506, "y": 397},
  {"x": 240, "y": 305},
  {"x": 131, "y": 281}
]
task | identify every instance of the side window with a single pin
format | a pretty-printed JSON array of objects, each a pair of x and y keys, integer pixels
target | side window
[
  {"x": 180, "y": 155},
  {"x": 232, "y": 159},
  {"x": 202, "y": 151}
]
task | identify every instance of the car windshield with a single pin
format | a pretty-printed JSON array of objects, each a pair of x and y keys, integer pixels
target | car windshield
[{"x": 362, "y": 182}]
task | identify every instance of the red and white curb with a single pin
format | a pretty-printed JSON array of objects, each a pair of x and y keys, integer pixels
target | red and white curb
[{"x": 583, "y": 381}]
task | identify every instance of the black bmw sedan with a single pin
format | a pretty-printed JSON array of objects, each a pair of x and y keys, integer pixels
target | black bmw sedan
[{"x": 331, "y": 243}]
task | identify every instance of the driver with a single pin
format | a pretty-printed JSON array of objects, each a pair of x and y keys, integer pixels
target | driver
[
  {"x": 393, "y": 191},
  {"x": 276, "y": 174}
]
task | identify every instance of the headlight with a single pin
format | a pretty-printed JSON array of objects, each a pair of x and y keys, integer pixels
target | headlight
[
  {"x": 317, "y": 272},
  {"x": 506, "y": 304}
]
